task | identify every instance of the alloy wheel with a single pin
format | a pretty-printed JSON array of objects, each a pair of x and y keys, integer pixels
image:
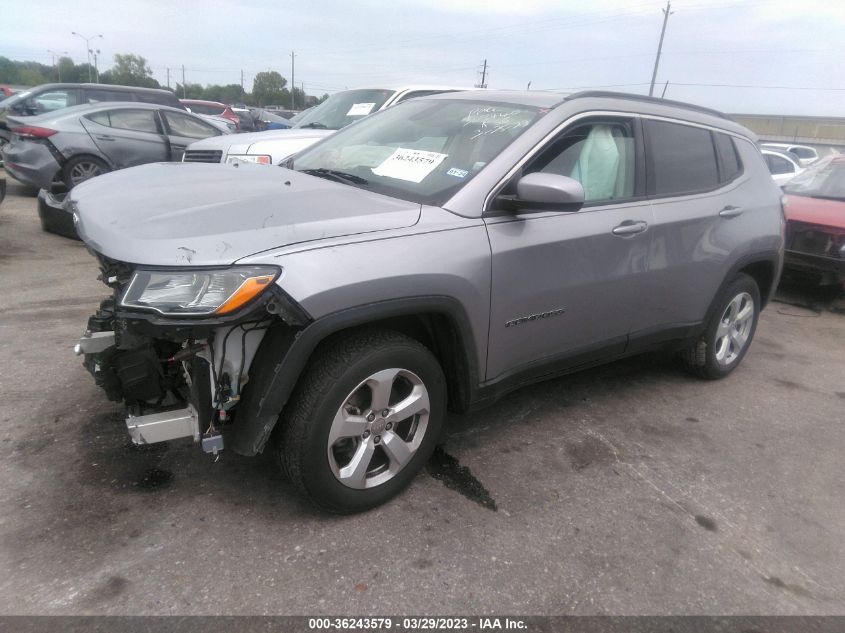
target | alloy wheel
[
  {"x": 734, "y": 329},
  {"x": 84, "y": 170},
  {"x": 378, "y": 428}
]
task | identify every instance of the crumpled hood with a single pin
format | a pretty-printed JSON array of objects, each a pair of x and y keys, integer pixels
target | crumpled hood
[{"x": 166, "y": 214}]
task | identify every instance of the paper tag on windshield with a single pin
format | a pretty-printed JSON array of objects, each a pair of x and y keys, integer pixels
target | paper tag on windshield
[
  {"x": 360, "y": 109},
  {"x": 412, "y": 165}
]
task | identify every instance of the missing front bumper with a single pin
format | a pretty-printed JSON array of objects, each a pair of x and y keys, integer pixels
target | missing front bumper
[{"x": 164, "y": 426}]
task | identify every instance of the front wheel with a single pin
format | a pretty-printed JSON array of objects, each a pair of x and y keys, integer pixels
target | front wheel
[
  {"x": 364, "y": 420},
  {"x": 729, "y": 332}
]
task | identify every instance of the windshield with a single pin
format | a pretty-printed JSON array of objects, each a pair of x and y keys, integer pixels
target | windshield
[
  {"x": 423, "y": 150},
  {"x": 825, "y": 179},
  {"x": 343, "y": 108}
]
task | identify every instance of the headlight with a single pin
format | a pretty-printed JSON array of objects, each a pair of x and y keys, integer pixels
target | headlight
[
  {"x": 261, "y": 159},
  {"x": 197, "y": 292}
]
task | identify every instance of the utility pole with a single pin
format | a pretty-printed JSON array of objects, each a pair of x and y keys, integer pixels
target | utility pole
[
  {"x": 96, "y": 68},
  {"x": 242, "y": 79},
  {"x": 184, "y": 92},
  {"x": 483, "y": 83},
  {"x": 292, "y": 83},
  {"x": 528, "y": 87},
  {"x": 664, "y": 89},
  {"x": 88, "y": 49},
  {"x": 168, "y": 77},
  {"x": 666, "y": 13}
]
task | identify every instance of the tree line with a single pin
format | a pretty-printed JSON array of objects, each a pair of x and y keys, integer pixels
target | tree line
[{"x": 269, "y": 87}]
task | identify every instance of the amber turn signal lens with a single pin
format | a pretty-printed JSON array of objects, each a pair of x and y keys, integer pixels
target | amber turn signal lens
[{"x": 247, "y": 291}]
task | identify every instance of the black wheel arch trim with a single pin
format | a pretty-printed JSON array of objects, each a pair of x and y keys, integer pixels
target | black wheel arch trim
[
  {"x": 285, "y": 352},
  {"x": 773, "y": 258}
]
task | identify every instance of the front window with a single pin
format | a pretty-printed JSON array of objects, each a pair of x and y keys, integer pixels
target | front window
[
  {"x": 826, "y": 179},
  {"x": 187, "y": 126},
  {"x": 344, "y": 108},
  {"x": 423, "y": 151}
]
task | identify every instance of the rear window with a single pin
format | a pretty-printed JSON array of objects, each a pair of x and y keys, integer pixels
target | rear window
[
  {"x": 206, "y": 108},
  {"x": 778, "y": 165},
  {"x": 803, "y": 152},
  {"x": 682, "y": 159},
  {"x": 163, "y": 98},
  {"x": 97, "y": 95}
]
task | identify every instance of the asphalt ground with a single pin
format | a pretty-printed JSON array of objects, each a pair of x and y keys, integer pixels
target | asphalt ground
[{"x": 628, "y": 489}]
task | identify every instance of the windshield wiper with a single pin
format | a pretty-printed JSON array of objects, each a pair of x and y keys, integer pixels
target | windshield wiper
[
  {"x": 315, "y": 126},
  {"x": 333, "y": 174}
]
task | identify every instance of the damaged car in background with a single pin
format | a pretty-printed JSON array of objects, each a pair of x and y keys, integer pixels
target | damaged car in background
[
  {"x": 437, "y": 254},
  {"x": 815, "y": 223}
]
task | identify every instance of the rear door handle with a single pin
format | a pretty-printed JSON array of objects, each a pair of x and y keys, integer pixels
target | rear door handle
[
  {"x": 629, "y": 227},
  {"x": 730, "y": 211}
]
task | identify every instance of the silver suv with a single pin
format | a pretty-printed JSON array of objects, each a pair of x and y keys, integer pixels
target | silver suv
[{"x": 433, "y": 256}]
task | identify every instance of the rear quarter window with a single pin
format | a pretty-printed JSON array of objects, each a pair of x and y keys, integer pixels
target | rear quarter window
[
  {"x": 729, "y": 165},
  {"x": 682, "y": 159}
]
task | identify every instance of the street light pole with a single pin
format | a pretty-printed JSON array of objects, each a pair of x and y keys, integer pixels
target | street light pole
[
  {"x": 56, "y": 66},
  {"x": 88, "y": 50}
]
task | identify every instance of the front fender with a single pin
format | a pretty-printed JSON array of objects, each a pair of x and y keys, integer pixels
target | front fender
[{"x": 285, "y": 351}]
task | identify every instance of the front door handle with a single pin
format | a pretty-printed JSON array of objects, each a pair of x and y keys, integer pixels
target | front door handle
[
  {"x": 104, "y": 137},
  {"x": 629, "y": 227},
  {"x": 730, "y": 211}
]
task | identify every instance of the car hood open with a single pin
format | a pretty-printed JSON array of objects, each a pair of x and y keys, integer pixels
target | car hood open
[{"x": 184, "y": 214}]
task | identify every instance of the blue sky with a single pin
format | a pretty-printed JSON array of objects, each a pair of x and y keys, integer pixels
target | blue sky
[{"x": 791, "y": 47}]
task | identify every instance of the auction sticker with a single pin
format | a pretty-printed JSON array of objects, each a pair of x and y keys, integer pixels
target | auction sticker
[
  {"x": 412, "y": 165},
  {"x": 360, "y": 109}
]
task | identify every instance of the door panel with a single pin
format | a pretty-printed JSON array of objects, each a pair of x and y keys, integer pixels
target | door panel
[
  {"x": 571, "y": 262},
  {"x": 567, "y": 284},
  {"x": 694, "y": 234},
  {"x": 182, "y": 130},
  {"x": 127, "y": 137}
]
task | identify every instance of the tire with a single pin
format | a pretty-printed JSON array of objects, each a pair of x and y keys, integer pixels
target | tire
[
  {"x": 80, "y": 168},
  {"x": 334, "y": 402},
  {"x": 729, "y": 332}
]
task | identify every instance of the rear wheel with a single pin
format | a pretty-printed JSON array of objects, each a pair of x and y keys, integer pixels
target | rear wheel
[
  {"x": 364, "y": 420},
  {"x": 730, "y": 330},
  {"x": 83, "y": 168}
]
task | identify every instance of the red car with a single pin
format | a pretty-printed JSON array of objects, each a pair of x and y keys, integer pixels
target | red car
[
  {"x": 211, "y": 108},
  {"x": 815, "y": 221}
]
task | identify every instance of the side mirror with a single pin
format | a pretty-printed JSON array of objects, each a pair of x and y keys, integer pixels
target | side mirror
[{"x": 547, "y": 192}]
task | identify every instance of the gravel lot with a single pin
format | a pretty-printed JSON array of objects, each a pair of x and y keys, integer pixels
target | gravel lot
[{"x": 629, "y": 489}]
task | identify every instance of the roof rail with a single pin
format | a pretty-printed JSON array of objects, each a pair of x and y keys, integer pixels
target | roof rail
[{"x": 655, "y": 100}]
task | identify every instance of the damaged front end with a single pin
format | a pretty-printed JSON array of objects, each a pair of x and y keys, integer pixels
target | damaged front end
[{"x": 175, "y": 345}]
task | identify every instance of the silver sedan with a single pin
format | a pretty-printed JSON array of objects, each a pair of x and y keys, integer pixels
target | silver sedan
[{"x": 81, "y": 142}]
